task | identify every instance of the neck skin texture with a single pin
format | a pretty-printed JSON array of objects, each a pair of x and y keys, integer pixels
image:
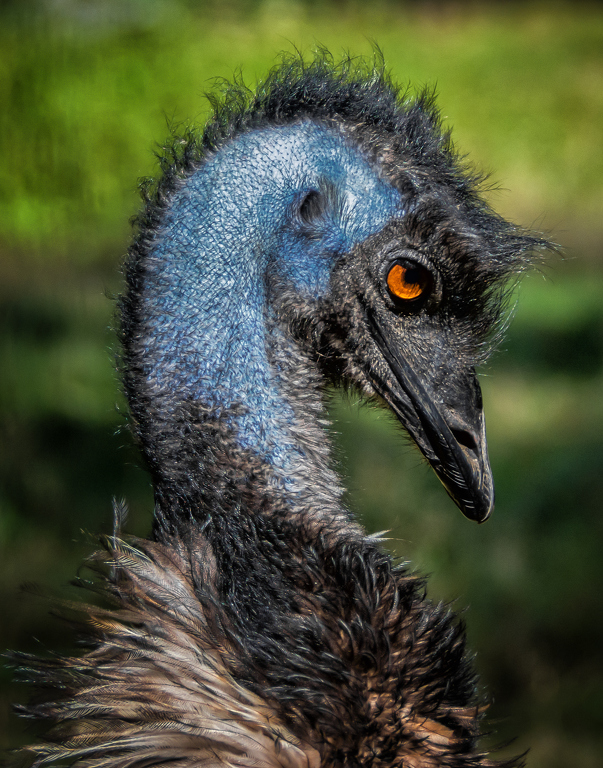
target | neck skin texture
[{"x": 231, "y": 239}]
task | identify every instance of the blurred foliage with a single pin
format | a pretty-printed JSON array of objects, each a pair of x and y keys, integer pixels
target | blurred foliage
[{"x": 89, "y": 87}]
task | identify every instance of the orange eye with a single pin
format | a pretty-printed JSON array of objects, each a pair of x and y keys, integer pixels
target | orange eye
[{"x": 408, "y": 282}]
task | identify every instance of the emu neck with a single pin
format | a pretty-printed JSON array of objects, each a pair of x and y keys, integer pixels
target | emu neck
[{"x": 242, "y": 371}]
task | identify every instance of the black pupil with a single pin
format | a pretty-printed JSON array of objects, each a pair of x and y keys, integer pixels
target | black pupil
[{"x": 414, "y": 275}]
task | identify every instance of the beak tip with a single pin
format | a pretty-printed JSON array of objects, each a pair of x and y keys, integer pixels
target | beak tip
[
  {"x": 478, "y": 510},
  {"x": 482, "y": 518}
]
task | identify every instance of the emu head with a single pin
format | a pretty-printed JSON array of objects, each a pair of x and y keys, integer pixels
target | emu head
[{"x": 323, "y": 226}]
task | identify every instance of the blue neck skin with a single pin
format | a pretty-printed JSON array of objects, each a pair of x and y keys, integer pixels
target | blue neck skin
[{"x": 207, "y": 310}]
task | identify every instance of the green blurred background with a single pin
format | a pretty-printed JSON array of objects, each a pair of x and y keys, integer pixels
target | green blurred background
[{"x": 87, "y": 89}]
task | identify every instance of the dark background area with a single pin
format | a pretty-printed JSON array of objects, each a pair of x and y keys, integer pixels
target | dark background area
[{"x": 87, "y": 89}]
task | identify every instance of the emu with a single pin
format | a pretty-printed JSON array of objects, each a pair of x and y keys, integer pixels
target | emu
[{"x": 321, "y": 230}]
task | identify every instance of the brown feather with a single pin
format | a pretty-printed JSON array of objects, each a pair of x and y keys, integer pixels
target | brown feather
[{"x": 156, "y": 689}]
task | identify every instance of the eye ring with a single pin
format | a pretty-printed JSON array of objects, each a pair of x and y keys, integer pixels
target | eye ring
[{"x": 409, "y": 283}]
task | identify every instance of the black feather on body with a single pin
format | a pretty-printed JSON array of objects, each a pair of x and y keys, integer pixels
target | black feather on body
[{"x": 261, "y": 626}]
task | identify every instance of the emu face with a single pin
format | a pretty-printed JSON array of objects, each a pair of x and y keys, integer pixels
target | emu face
[{"x": 411, "y": 341}]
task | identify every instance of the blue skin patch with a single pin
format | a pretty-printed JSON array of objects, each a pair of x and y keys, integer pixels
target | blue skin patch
[{"x": 232, "y": 220}]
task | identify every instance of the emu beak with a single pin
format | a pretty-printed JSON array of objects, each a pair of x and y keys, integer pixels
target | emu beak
[{"x": 451, "y": 436}]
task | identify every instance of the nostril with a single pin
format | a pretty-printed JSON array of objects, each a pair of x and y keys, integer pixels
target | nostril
[{"x": 466, "y": 439}]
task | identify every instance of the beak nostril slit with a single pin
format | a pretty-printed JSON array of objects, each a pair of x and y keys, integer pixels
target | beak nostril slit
[{"x": 465, "y": 439}]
